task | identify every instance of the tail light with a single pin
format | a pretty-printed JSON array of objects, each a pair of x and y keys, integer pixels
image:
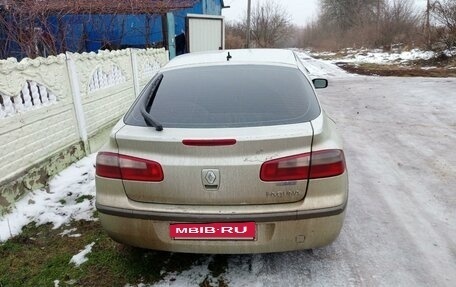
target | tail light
[
  {"x": 318, "y": 164},
  {"x": 221, "y": 142},
  {"x": 118, "y": 166}
]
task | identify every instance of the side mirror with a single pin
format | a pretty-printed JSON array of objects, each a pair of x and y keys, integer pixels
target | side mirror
[{"x": 320, "y": 83}]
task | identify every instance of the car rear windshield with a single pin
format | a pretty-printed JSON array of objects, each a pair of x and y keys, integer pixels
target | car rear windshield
[{"x": 227, "y": 96}]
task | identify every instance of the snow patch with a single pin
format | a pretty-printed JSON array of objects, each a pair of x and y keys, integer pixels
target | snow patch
[
  {"x": 59, "y": 204},
  {"x": 192, "y": 277},
  {"x": 450, "y": 52},
  {"x": 80, "y": 258},
  {"x": 377, "y": 57},
  {"x": 318, "y": 68},
  {"x": 428, "y": 68},
  {"x": 67, "y": 231}
]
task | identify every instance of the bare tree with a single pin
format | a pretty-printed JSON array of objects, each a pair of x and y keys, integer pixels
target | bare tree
[
  {"x": 399, "y": 23},
  {"x": 26, "y": 28},
  {"x": 362, "y": 23},
  {"x": 346, "y": 14},
  {"x": 270, "y": 25},
  {"x": 235, "y": 35},
  {"x": 445, "y": 14},
  {"x": 40, "y": 27}
]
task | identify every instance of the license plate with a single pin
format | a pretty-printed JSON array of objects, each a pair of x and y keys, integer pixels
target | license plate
[{"x": 213, "y": 231}]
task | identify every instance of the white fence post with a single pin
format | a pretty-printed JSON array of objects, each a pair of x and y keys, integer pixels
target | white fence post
[
  {"x": 134, "y": 67},
  {"x": 77, "y": 102}
]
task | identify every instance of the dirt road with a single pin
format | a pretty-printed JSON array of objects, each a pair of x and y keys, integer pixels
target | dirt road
[{"x": 400, "y": 229}]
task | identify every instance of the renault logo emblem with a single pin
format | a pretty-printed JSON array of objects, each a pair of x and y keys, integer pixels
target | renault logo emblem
[{"x": 210, "y": 178}]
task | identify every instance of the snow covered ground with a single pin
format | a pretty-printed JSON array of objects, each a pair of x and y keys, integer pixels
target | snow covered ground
[
  {"x": 70, "y": 196},
  {"x": 400, "y": 227},
  {"x": 385, "y": 58}
]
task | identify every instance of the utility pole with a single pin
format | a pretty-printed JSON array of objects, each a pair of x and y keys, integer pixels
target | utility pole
[
  {"x": 378, "y": 17},
  {"x": 249, "y": 6},
  {"x": 428, "y": 23}
]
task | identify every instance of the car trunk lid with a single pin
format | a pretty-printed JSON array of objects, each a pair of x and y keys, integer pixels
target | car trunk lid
[{"x": 215, "y": 166}]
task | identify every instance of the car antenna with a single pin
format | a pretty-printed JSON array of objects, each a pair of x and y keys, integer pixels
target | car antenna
[{"x": 228, "y": 57}]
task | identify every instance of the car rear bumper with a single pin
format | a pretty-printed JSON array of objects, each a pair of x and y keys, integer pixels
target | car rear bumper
[
  {"x": 311, "y": 223},
  {"x": 271, "y": 236},
  {"x": 196, "y": 217}
]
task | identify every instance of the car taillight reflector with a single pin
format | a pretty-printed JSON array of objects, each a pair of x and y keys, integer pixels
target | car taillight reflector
[
  {"x": 108, "y": 165},
  {"x": 327, "y": 163},
  {"x": 320, "y": 164},
  {"x": 287, "y": 168},
  {"x": 118, "y": 166}
]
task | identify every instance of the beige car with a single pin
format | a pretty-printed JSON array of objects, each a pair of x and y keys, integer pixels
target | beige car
[{"x": 225, "y": 152}]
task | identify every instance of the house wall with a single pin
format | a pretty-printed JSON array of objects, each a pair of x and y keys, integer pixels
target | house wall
[
  {"x": 56, "y": 110},
  {"x": 94, "y": 32},
  {"x": 210, "y": 7},
  {"x": 85, "y": 33}
]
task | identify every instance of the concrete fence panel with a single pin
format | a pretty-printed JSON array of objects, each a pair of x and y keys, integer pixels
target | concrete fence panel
[
  {"x": 55, "y": 110},
  {"x": 37, "y": 115},
  {"x": 149, "y": 61},
  {"x": 106, "y": 88}
]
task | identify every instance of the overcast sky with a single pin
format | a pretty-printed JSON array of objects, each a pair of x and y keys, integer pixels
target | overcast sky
[{"x": 301, "y": 11}]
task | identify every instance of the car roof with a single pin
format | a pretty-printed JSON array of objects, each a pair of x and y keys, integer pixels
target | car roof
[{"x": 278, "y": 57}]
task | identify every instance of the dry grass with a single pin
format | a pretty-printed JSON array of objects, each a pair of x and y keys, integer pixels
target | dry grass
[
  {"x": 396, "y": 71},
  {"x": 40, "y": 255}
]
